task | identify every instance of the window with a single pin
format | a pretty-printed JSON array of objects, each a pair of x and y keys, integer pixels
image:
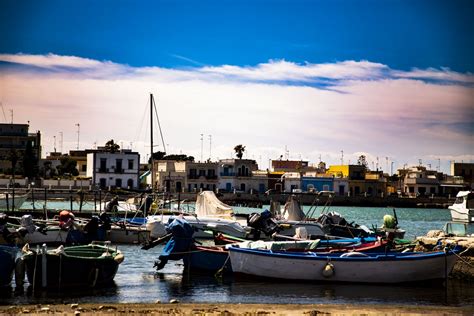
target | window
[
  {"x": 103, "y": 182},
  {"x": 242, "y": 187},
  {"x": 103, "y": 165},
  {"x": 202, "y": 173},
  {"x": 118, "y": 165},
  {"x": 192, "y": 173},
  {"x": 118, "y": 183},
  {"x": 130, "y": 164},
  {"x": 84, "y": 168},
  {"x": 130, "y": 183}
]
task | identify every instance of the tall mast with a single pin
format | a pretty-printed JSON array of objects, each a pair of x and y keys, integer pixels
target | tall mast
[{"x": 151, "y": 145}]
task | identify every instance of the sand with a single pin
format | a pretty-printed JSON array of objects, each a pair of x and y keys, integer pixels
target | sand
[{"x": 231, "y": 309}]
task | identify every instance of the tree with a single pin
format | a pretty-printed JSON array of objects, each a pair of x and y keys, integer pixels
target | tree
[
  {"x": 13, "y": 156},
  {"x": 239, "y": 151},
  {"x": 111, "y": 146},
  {"x": 362, "y": 161},
  {"x": 159, "y": 155},
  {"x": 68, "y": 166}
]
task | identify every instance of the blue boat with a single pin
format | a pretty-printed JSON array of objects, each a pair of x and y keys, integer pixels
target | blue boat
[{"x": 7, "y": 264}]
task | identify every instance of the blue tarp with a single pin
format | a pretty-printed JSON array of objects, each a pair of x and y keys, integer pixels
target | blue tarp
[{"x": 181, "y": 242}]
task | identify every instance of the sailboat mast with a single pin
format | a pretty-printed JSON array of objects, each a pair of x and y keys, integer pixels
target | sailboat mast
[{"x": 151, "y": 144}]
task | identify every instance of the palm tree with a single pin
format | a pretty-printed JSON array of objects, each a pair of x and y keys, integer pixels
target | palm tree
[
  {"x": 239, "y": 151},
  {"x": 111, "y": 146}
]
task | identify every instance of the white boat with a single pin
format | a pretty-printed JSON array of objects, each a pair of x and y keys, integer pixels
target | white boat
[
  {"x": 347, "y": 267},
  {"x": 462, "y": 209},
  {"x": 10, "y": 203},
  {"x": 210, "y": 214}
]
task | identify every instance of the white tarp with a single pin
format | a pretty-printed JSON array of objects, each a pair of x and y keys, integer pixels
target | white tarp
[
  {"x": 292, "y": 210},
  {"x": 208, "y": 205}
]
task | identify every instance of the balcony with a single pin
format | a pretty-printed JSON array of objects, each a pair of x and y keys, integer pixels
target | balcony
[
  {"x": 103, "y": 170},
  {"x": 120, "y": 170},
  {"x": 227, "y": 174},
  {"x": 212, "y": 177}
]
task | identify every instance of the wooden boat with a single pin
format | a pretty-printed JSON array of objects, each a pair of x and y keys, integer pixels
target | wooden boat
[
  {"x": 7, "y": 264},
  {"x": 343, "y": 267},
  {"x": 91, "y": 265},
  {"x": 208, "y": 259},
  {"x": 215, "y": 258}
]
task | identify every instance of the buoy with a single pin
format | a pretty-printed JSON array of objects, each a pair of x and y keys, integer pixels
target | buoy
[{"x": 328, "y": 270}]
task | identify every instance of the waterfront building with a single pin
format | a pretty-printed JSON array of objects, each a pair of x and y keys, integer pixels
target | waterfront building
[
  {"x": 418, "y": 180},
  {"x": 15, "y": 139},
  {"x": 289, "y": 165},
  {"x": 170, "y": 175},
  {"x": 202, "y": 176},
  {"x": 292, "y": 182},
  {"x": 119, "y": 169},
  {"x": 315, "y": 183},
  {"x": 341, "y": 186},
  {"x": 240, "y": 175},
  {"x": 465, "y": 170}
]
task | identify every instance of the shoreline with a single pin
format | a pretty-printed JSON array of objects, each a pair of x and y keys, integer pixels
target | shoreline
[{"x": 231, "y": 309}]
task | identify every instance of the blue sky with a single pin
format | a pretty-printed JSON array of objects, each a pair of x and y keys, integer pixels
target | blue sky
[
  {"x": 381, "y": 78},
  {"x": 401, "y": 34}
]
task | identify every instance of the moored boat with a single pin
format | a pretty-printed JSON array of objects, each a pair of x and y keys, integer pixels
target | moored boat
[
  {"x": 462, "y": 209},
  {"x": 90, "y": 265},
  {"x": 356, "y": 266}
]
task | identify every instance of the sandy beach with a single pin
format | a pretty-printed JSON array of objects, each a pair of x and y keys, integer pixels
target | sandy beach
[{"x": 231, "y": 309}]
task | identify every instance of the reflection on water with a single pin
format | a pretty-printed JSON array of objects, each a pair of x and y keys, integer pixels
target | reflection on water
[{"x": 137, "y": 281}]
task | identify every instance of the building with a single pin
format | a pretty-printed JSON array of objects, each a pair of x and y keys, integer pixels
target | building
[
  {"x": 16, "y": 140},
  {"x": 317, "y": 183},
  {"x": 465, "y": 170},
  {"x": 419, "y": 181},
  {"x": 114, "y": 169},
  {"x": 202, "y": 176},
  {"x": 170, "y": 175},
  {"x": 289, "y": 165},
  {"x": 240, "y": 175}
]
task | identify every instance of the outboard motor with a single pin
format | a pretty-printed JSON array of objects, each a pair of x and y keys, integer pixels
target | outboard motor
[
  {"x": 179, "y": 244},
  {"x": 263, "y": 222}
]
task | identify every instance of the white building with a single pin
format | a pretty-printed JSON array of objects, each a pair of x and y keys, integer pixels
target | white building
[
  {"x": 241, "y": 175},
  {"x": 118, "y": 169}
]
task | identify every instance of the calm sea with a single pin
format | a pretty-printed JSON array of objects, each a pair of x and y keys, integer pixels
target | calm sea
[{"x": 137, "y": 281}]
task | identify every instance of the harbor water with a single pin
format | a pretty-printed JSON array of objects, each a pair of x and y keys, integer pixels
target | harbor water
[{"x": 137, "y": 281}]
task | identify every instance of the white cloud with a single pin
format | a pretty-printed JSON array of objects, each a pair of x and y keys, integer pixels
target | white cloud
[{"x": 363, "y": 107}]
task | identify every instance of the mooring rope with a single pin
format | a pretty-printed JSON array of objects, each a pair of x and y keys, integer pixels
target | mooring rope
[
  {"x": 462, "y": 259},
  {"x": 219, "y": 272}
]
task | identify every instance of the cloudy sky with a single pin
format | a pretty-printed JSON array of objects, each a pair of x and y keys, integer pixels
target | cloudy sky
[{"x": 311, "y": 80}]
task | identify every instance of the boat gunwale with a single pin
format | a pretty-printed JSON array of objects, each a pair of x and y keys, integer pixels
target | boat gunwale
[{"x": 371, "y": 257}]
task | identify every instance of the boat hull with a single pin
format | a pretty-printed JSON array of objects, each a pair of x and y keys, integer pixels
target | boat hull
[
  {"x": 376, "y": 268},
  {"x": 64, "y": 270},
  {"x": 209, "y": 259},
  {"x": 7, "y": 264},
  {"x": 462, "y": 215}
]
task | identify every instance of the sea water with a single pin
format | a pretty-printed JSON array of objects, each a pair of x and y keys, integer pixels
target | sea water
[{"x": 137, "y": 281}]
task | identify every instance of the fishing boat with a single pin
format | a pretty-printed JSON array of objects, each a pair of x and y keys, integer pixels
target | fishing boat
[
  {"x": 462, "y": 209},
  {"x": 216, "y": 258},
  {"x": 7, "y": 264},
  {"x": 91, "y": 266},
  {"x": 354, "y": 266},
  {"x": 210, "y": 214}
]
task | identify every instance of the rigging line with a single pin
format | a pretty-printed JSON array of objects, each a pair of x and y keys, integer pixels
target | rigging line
[
  {"x": 140, "y": 127},
  {"x": 159, "y": 125}
]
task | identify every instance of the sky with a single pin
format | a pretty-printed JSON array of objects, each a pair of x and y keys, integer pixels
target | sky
[{"x": 310, "y": 80}]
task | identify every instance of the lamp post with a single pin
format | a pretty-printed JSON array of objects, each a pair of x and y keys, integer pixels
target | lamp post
[{"x": 78, "y": 133}]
